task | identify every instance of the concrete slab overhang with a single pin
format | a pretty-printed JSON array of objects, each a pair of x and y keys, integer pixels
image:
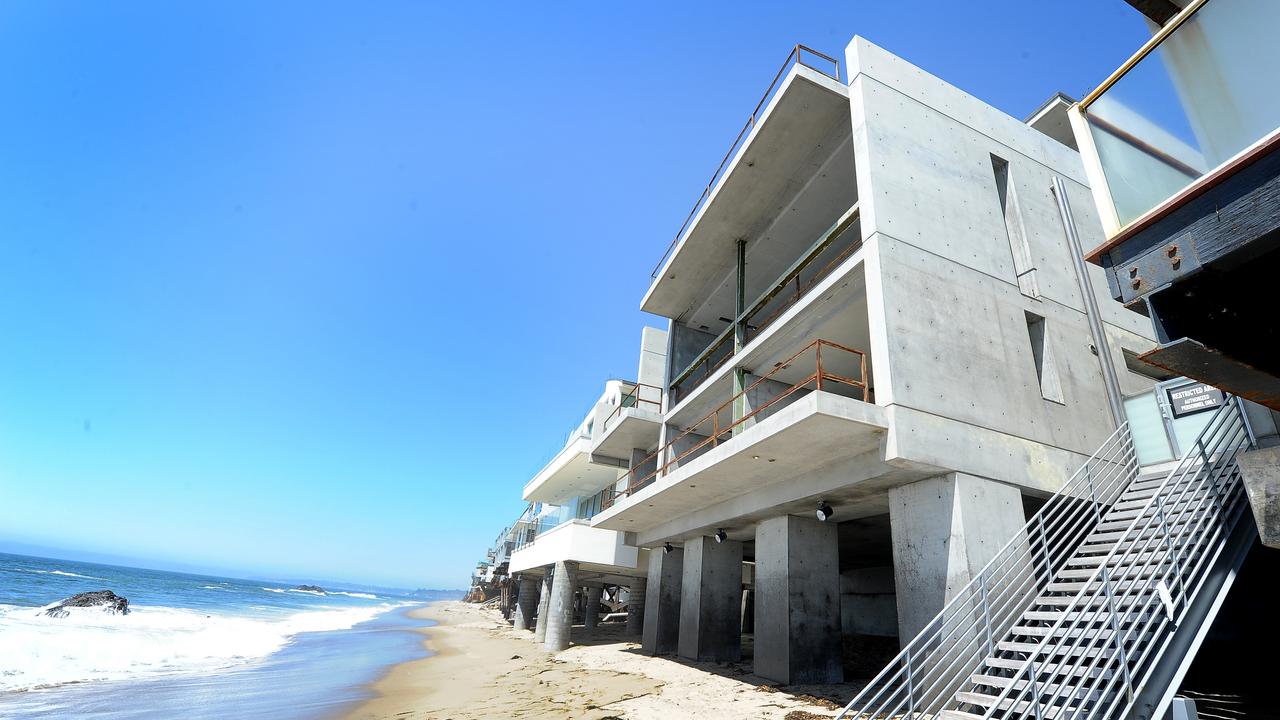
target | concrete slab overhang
[
  {"x": 571, "y": 473},
  {"x": 815, "y": 430},
  {"x": 808, "y": 114},
  {"x": 597, "y": 550},
  {"x": 820, "y": 313},
  {"x": 631, "y": 428}
]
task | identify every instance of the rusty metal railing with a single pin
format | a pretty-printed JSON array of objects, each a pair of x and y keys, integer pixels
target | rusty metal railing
[
  {"x": 797, "y": 56},
  {"x": 821, "y": 378},
  {"x": 635, "y": 398},
  {"x": 833, "y": 245}
]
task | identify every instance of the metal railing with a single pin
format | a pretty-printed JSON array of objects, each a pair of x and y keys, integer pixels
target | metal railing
[
  {"x": 924, "y": 676},
  {"x": 715, "y": 429},
  {"x": 832, "y": 245},
  {"x": 1110, "y": 634},
  {"x": 636, "y": 398},
  {"x": 797, "y": 56},
  {"x": 1153, "y": 542}
]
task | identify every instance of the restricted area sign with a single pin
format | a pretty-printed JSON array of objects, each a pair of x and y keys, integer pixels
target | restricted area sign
[{"x": 1191, "y": 399}]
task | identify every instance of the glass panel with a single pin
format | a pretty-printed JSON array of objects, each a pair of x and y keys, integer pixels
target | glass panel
[
  {"x": 1150, "y": 441},
  {"x": 1205, "y": 94}
]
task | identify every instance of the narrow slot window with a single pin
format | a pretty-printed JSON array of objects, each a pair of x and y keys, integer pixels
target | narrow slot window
[
  {"x": 1042, "y": 352},
  {"x": 1015, "y": 230}
]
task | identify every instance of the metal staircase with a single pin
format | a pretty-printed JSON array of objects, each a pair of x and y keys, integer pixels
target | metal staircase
[{"x": 1096, "y": 608}]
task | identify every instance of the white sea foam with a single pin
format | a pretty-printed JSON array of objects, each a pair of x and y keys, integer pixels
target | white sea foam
[
  {"x": 40, "y": 651},
  {"x": 275, "y": 590},
  {"x": 63, "y": 574},
  {"x": 307, "y": 592},
  {"x": 365, "y": 596}
]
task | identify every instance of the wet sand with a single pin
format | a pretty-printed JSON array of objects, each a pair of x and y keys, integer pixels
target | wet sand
[{"x": 481, "y": 668}]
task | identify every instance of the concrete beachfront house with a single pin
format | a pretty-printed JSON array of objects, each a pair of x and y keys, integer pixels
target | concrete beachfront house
[
  {"x": 555, "y": 538},
  {"x": 878, "y": 316}
]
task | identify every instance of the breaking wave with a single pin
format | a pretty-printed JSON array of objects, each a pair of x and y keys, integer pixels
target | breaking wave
[
  {"x": 40, "y": 651},
  {"x": 62, "y": 573}
]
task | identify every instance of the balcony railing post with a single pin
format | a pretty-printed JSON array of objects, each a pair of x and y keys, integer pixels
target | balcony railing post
[
  {"x": 1035, "y": 690},
  {"x": 1115, "y": 630},
  {"x": 818, "y": 363},
  {"x": 911, "y": 685},
  {"x": 986, "y": 609}
]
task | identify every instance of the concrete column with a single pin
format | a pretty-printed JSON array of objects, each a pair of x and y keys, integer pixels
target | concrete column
[
  {"x": 635, "y": 606},
  {"x": 544, "y": 602},
  {"x": 662, "y": 602},
  {"x": 797, "y": 601},
  {"x": 1261, "y": 472},
  {"x": 591, "y": 613},
  {"x": 560, "y": 612},
  {"x": 526, "y": 602},
  {"x": 711, "y": 601},
  {"x": 945, "y": 529}
]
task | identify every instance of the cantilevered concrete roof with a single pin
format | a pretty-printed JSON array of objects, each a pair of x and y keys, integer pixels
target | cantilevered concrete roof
[{"x": 807, "y": 117}]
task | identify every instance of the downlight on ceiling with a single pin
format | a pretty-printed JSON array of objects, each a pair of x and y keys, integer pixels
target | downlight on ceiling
[
  {"x": 824, "y": 511},
  {"x": 720, "y": 536},
  {"x": 666, "y": 548}
]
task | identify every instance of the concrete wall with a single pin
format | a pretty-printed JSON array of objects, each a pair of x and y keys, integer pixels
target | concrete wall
[
  {"x": 948, "y": 320},
  {"x": 868, "y": 603},
  {"x": 686, "y": 344}
]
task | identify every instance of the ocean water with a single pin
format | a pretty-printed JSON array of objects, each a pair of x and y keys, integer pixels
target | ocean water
[{"x": 192, "y": 646}]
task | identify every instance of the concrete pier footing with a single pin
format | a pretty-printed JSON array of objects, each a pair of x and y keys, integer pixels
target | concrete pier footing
[
  {"x": 591, "y": 609},
  {"x": 560, "y": 610},
  {"x": 797, "y": 601},
  {"x": 544, "y": 602},
  {"x": 635, "y": 606},
  {"x": 945, "y": 529},
  {"x": 526, "y": 603},
  {"x": 710, "y": 601},
  {"x": 662, "y": 602}
]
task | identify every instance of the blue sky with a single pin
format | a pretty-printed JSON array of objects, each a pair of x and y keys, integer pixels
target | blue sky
[{"x": 312, "y": 289}]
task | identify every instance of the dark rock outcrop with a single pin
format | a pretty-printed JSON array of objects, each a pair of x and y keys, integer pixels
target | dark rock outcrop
[
  {"x": 105, "y": 599},
  {"x": 310, "y": 588}
]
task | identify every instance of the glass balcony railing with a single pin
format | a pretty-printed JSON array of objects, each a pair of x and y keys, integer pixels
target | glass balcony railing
[{"x": 1194, "y": 97}]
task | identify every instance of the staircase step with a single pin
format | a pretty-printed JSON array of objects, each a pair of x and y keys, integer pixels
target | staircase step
[
  {"x": 1063, "y": 691},
  {"x": 957, "y": 715},
  {"x": 1067, "y": 671},
  {"x": 1052, "y": 650},
  {"x": 1040, "y": 632},
  {"x": 1075, "y": 587},
  {"x": 1153, "y": 523},
  {"x": 1094, "y": 561},
  {"x": 1076, "y": 616},
  {"x": 1020, "y": 706}
]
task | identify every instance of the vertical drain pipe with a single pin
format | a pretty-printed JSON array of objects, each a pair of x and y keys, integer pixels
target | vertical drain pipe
[{"x": 1109, "y": 377}]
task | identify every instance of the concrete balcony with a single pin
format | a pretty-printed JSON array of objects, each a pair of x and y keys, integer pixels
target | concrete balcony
[
  {"x": 817, "y": 430},
  {"x": 634, "y": 423},
  {"x": 596, "y": 550},
  {"x": 571, "y": 473}
]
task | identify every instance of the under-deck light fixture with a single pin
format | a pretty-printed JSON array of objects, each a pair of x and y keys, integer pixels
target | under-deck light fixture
[
  {"x": 720, "y": 535},
  {"x": 666, "y": 548},
  {"x": 824, "y": 511}
]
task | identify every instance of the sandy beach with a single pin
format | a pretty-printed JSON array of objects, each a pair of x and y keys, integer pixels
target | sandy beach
[{"x": 481, "y": 668}]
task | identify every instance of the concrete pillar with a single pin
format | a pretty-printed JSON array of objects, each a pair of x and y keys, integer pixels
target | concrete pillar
[
  {"x": 662, "y": 602},
  {"x": 797, "y": 601},
  {"x": 544, "y": 602},
  {"x": 1261, "y": 472},
  {"x": 526, "y": 602},
  {"x": 591, "y": 615},
  {"x": 635, "y": 606},
  {"x": 945, "y": 529},
  {"x": 711, "y": 601},
  {"x": 560, "y": 613}
]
